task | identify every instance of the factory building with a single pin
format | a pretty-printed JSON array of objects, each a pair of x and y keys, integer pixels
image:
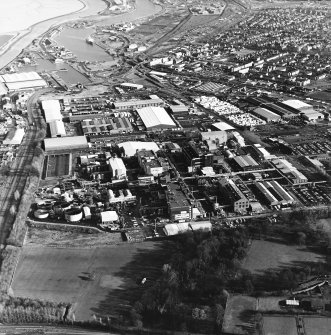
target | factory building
[
  {"x": 197, "y": 156},
  {"x": 134, "y": 104},
  {"x": 155, "y": 118},
  {"x": 274, "y": 194},
  {"x": 22, "y": 81},
  {"x": 246, "y": 162},
  {"x": 267, "y": 115},
  {"x": 150, "y": 163},
  {"x": 52, "y": 110},
  {"x": 117, "y": 168},
  {"x": 57, "y": 128},
  {"x": 131, "y": 148},
  {"x": 214, "y": 139},
  {"x": 289, "y": 171},
  {"x": 65, "y": 143},
  {"x": 235, "y": 195},
  {"x": 106, "y": 126},
  {"x": 123, "y": 196},
  {"x": 179, "y": 207},
  {"x": 305, "y": 110},
  {"x": 14, "y": 137}
]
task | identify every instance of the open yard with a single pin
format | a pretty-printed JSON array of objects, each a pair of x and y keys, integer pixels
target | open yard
[
  {"x": 57, "y": 165},
  {"x": 60, "y": 274},
  {"x": 265, "y": 255}
]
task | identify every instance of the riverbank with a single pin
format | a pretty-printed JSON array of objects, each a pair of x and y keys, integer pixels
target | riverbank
[
  {"x": 12, "y": 48},
  {"x": 142, "y": 10}
]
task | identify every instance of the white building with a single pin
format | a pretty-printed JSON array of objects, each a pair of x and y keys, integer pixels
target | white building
[
  {"x": 52, "y": 110},
  {"x": 117, "y": 167},
  {"x": 14, "y": 137},
  {"x": 156, "y": 118},
  {"x": 22, "y": 81},
  {"x": 57, "y": 128}
]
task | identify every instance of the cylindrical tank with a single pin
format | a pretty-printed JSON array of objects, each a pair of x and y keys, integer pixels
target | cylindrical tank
[
  {"x": 41, "y": 213},
  {"x": 73, "y": 215}
]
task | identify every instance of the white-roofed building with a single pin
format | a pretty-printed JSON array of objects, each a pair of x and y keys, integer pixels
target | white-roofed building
[
  {"x": 65, "y": 143},
  {"x": 131, "y": 148},
  {"x": 3, "y": 89},
  {"x": 109, "y": 216},
  {"x": 14, "y": 137},
  {"x": 307, "y": 111},
  {"x": 117, "y": 168},
  {"x": 297, "y": 104},
  {"x": 132, "y": 86},
  {"x": 222, "y": 126},
  {"x": 52, "y": 110},
  {"x": 156, "y": 118},
  {"x": 214, "y": 138},
  {"x": 22, "y": 80},
  {"x": 57, "y": 128}
]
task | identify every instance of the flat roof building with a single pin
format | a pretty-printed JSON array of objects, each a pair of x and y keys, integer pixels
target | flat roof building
[
  {"x": 52, "y": 110},
  {"x": 57, "y": 128},
  {"x": 223, "y": 126},
  {"x": 214, "y": 138},
  {"x": 22, "y": 80},
  {"x": 155, "y": 118},
  {"x": 117, "y": 168},
  {"x": 14, "y": 137}
]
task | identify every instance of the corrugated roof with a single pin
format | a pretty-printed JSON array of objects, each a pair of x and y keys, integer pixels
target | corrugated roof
[
  {"x": 154, "y": 117},
  {"x": 62, "y": 143}
]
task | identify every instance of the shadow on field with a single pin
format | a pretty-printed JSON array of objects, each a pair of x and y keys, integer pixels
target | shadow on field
[
  {"x": 146, "y": 263},
  {"x": 288, "y": 276}
]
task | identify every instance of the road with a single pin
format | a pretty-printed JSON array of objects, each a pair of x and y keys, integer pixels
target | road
[{"x": 48, "y": 330}]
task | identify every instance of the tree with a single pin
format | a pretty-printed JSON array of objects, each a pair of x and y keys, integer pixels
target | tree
[
  {"x": 301, "y": 238},
  {"x": 249, "y": 287}
]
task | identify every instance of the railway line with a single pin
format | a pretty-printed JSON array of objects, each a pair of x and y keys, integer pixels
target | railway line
[{"x": 18, "y": 173}]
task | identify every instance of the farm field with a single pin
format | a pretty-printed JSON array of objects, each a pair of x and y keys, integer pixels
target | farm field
[
  {"x": 59, "y": 274},
  {"x": 264, "y": 255},
  {"x": 57, "y": 165}
]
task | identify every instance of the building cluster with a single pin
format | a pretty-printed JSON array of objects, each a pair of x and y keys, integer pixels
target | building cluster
[
  {"x": 136, "y": 153},
  {"x": 275, "y": 50}
]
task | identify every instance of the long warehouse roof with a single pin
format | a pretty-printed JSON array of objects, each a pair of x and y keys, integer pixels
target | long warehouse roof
[{"x": 154, "y": 117}]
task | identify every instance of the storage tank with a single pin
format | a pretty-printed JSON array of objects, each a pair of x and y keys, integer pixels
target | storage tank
[
  {"x": 87, "y": 212},
  {"x": 41, "y": 213},
  {"x": 73, "y": 215}
]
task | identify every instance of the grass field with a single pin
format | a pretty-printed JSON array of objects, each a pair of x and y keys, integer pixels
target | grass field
[
  {"x": 264, "y": 255},
  {"x": 285, "y": 325},
  {"x": 57, "y": 165},
  {"x": 59, "y": 274}
]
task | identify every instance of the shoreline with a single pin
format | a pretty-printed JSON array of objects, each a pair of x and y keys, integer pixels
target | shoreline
[
  {"x": 13, "y": 48},
  {"x": 19, "y": 35}
]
